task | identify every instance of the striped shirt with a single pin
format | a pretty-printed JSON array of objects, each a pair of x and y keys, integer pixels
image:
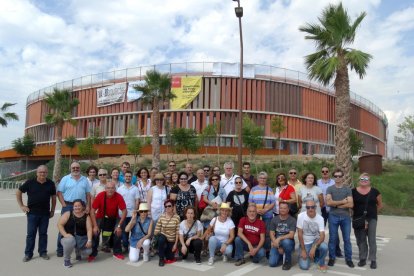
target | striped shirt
[
  {"x": 258, "y": 196},
  {"x": 169, "y": 227}
]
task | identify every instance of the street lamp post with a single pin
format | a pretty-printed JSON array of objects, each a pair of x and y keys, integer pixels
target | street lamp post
[{"x": 239, "y": 15}]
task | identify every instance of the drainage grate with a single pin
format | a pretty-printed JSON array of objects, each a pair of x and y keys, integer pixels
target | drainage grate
[{"x": 410, "y": 237}]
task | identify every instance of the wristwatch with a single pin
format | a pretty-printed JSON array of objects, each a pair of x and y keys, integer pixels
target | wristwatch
[{"x": 119, "y": 226}]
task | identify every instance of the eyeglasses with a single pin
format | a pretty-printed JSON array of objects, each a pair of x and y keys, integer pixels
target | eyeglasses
[
  {"x": 183, "y": 179},
  {"x": 143, "y": 211},
  {"x": 325, "y": 171},
  {"x": 42, "y": 172},
  {"x": 168, "y": 206},
  {"x": 75, "y": 168},
  {"x": 310, "y": 207},
  {"x": 337, "y": 176},
  {"x": 238, "y": 182},
  {"x": 206, "y": 170},
  {"x": 158, "y": 179},
  {"x": 216, "y": 170},
  {"x": 364, "y": 179},
  {"x": 214, "y": 179},
  {"x": 172, "y": 165},
  {"x": 292, "y": 172},
  {"x": 102, "y": 174},
  {"x": 281, "y": 178}
]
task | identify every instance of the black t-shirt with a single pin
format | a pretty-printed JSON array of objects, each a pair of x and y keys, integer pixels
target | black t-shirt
[
  {"x": 360, "y": 201},
  {"x": 184, "y": 199},
  {"x": 239, "y": 207},
  {"x": 38, "y": 195},
  {"x": 192, "y": 179}
]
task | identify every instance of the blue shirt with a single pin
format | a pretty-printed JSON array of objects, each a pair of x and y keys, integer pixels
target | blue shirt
[
  {"x": 258, "y": 195},
  {"x": 136, "y": 232},
  {"x": 122, "y": 179},
  {"x": 72, "y": 189}
]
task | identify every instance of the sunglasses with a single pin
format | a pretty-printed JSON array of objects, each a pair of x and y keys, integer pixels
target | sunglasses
[
  {"x": 338, "y": 176},
  {"x": 143, "y": 212},
  {"x": 310, "y": 207},
  {"x": 364, "y": 179},
  {"x": 171, "y": 165},
  {"x": 102, "y": 174},
  {"x": 238, "y": 182},
  {"x": 215, "y": 179},
  {"x": 281, "y": 178},
  {"x": 325, "y": 171},
  {"x": 206, "y": 170},
  {"x": 168, "y": 206},
  {"x": 292, "y": 172},
  {"x": 183, "y": 179}
]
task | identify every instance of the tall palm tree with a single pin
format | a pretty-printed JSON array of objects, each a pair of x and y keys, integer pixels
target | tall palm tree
[
  {"x": 61, "y": 105},
  {"x": 334, "y": 33},
  {"x": 5, "y": 116},
  {"x": 155, "y": 91}
]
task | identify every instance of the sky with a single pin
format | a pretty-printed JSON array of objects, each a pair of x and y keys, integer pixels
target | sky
[{"x": 43, "y": 42}]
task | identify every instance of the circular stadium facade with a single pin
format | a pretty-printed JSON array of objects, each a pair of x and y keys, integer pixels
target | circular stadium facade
[{"x": 207, "y": 93}]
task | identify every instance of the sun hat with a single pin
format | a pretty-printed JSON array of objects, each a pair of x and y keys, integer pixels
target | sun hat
[
  {"x": 225, "y": 205},
  {"x": 143, "y": 207}
]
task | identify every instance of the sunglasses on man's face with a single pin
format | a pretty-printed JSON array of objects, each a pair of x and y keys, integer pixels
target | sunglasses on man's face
[
  {"x": 325, "y": 171},
  {"x": 102, "y": 174},
  {"x": 292, "y": 172},
  {"x": 310, "y": 207}
]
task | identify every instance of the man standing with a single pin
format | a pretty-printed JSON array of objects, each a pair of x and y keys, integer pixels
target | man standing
[
  {"x": 189, "y": 170},
  {"x": 207, "y": 171},
  {"x": 251, "y": 237},
  {"x": 247, "y": 176},
  {"x": 105, "y": 218},
  {"x": 200, "y": 184},
  {"x": 293, "y": 179},
  {"x": 125, "y": 167},
  {"x": 282, "y": 234},
  {"x": 311, "y": 234},
  {"x": 72, "y": 186},
  {"x": 228, "y": 177},
  {"x": 40, "y": 192},
  {"x": 130, "y": 194},
  {"x": 339, "y": 198},
  {"x": 172, "y": 167}
]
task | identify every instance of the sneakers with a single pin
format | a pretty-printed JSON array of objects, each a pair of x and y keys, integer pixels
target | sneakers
[
  {"x": 286, "y": 266},
  {"x": 91, "y": 259},
  {"x": 78, "y": 257},
  {"x": 210, "y": 261},
  {"x": 106, "y": 249},
  {"x": 119, "y": 256},
  {"x": 331, "y": 262},
  {"x": 161, "y": 262},
  {"x": 362, "y": 263},
  {"x": 67, "y": 263},
  {"x": 170, "y": 261},
  {"x": 26, "y": 259},
  {"x": 225, "y": 259},
  {"x": 44, "y": 256},
  {"x": 373, "y": 265},
  {"x": 323, "y": 268},
  {"x": 198, "y": 261},
  {"x": 145, "y": 257},
  {"x": 240, "y": 262},
  {"x": 59, "y": 254},
  {"x": 350, "y": 263}
]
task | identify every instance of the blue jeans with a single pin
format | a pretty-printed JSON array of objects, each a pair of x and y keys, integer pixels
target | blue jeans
[
  {"x": 319, "y": 258},
  {"x": 267, "y": 243},
  {"x": 345, "y": 223},
  {"x": 125, "y": 235},
  {"x": 35, "y": 223},
  {"x": 241, "y": 246},
  {"x": 214, "y": 244},
  {"x": 288, "y": 246},
  {"x": 59, "y": 245}
]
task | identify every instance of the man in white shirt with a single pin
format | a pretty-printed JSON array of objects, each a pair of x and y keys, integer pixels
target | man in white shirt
[
  {"x": 228, "y": 177},
  {"x": 200, "y": 184}
]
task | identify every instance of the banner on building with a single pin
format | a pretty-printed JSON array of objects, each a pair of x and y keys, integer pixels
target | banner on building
[
  {"x": 111, "y": 94},
  {"x": 132, "y": 93},
  {"x": 186, "y": 89},
  {"x": 233, "y": 70}
]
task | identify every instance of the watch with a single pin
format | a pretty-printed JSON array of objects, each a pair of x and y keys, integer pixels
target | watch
[{"x": 119, "y": 226}]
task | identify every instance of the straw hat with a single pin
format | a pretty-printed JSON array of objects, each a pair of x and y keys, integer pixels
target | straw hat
[
  {"x": 143, "y": 207},
  {"x": 225, "y": 205},
  {"x": 159, "y": 176}
]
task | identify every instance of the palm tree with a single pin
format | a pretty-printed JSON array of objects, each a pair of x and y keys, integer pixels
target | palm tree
[
  {"x": 332, "y": 36},
  {"x": 155, "y": 91},
  {"x": 61, "y": 105},
  {"x": 5, "y": 116}
]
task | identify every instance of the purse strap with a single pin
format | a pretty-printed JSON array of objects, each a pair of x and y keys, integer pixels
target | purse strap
[
  {"x": 366, "y": 203},
  {"x": 241, "y": 204},
  {"x": 191, "y": 227},
  {"x": 140, "y": 226},
  {"x": 267, "y": 193}
]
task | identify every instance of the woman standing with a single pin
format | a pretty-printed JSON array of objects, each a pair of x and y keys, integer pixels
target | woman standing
[
  {"x": 156, "y": 197},
  {"x": 286, "y": 192},
  {"x": 143, "y": 184},
  {"x": 167, "y": 229},
  {"x": 91, "y": 172},
  {"x": 367, "y": 203},
  {"x": 76, "y": 230},
  {"x": 190, "y": 232},
  {"x": 115, "y": 178},
  {"x": 222, "y": 228},
  {"x": 184, "y": 195},
  {"x": 238, "y": 200},
  {"x": 310, "y": 190},
  {"x": 174, "y": 179},
  {"x": 141, "y": 230}
]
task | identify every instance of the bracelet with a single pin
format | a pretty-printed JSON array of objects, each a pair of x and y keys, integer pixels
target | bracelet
[{"x": 89, "y": 240}]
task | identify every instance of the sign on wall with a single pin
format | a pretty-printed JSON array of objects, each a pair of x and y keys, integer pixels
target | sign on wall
[
  {"x": 132, "y": 93},
  {"x": 111, "y": 94},
  {"x": 186, "y": 89}
]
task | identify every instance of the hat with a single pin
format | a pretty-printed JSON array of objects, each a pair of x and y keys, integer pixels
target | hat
[
  {"x": 143, "y": 207},
  {"x": 159, "y": 176},
  {"x": 225, "y": 205}
]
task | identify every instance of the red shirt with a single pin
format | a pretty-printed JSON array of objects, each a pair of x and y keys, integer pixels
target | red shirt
[
  {"x": 252, "y": 230},
  {"x": 286, "y": 191},
  {"x": 113, "y": 204}
]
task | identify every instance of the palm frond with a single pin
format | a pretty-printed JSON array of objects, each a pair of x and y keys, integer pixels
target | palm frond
[
  {"x": 11, "y": 116},
  {"x": 6, "y": 106},
  {"x": 358, "y": 61},
  {"x": 324, "y": 69}
]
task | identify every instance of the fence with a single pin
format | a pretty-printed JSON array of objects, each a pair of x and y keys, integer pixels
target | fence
[{"x": 10, "y": 184}]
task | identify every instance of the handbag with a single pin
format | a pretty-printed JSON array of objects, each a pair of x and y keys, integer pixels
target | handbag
[
  {"x": 154, "y": 241},
  {"x": 208, "y": 214},
  {"x": 202, "y": 204},
  {"x": 210, "y": 230},
  {"x": 359, "y": 222},
  {"x": 107, "y": 224},
  {"x": 293, "y": 207}
]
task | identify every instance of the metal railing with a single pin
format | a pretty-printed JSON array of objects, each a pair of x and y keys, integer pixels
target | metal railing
[
  {"x": 10, "y": 184},
  {"x": 200, "y": 68}
]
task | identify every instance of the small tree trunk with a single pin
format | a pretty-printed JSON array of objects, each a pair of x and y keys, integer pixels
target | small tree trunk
[
  {"x": 280, "y": 159},
  {"x": 27, "y": 164},
  {"x": 58, "y": 153},
  {"x": 156, "y": 134}
]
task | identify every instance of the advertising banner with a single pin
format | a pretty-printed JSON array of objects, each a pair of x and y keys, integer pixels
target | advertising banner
[
  {"x": 111, "y": 94},
  {"x": 186, "y": 89},
  {"x": 132, "y": 93}
]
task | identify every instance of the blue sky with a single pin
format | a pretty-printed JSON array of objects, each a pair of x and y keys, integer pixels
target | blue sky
[{"x": 45, "y": 42}]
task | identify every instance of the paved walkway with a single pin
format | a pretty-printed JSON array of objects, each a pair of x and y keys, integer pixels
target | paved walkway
[{"x": 395, "y": 253}]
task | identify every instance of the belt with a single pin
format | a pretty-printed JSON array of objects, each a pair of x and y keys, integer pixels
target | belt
[{"x": 68, "y": 202}]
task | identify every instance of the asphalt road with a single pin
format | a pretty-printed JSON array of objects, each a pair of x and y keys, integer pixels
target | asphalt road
[{"x": 394, "y": 254}]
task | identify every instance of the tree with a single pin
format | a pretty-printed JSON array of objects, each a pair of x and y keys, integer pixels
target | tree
[
  {"x": 356, "y": 142},
  {"x": 168, "y": 138},
  {"x": 87, "y": 149},
  {"x": 155, "y": 91},
  {"x": 25, "y": 146},
  {"x": 71, "y": 143},
  {"x": 5, "y": 116},
  {"x": 252, "y": 135},
  {"x": 277, "y": 126},
  {"x": 208, "y": 134},
  {"x": 185, "y": 140},
  {"x": 61, "y": 104},
  {"x": 333, "y": 35},
  {"x": 134, "y": 143},
  {"x": 405, "y": 140}
]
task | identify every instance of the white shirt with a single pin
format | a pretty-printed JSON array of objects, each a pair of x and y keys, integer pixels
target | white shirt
[
  {"x": 92, "y": 183},
  {"x": 312, "y": 227},
  {"x": 228, "y": 183},
  {"x": 222, "y": 229},
  {"x": 143, "y": 189},
  {"x": 184, "y": 229},
  {"x": 97, "y": 188},
  {"x": 313, "y": 193},
  {"x": 200, "y": 187},
  {"x": 324, "y": 186},
  {"x": 130, "y": 195}
]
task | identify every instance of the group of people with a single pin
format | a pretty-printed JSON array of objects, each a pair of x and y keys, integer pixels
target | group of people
[{"x": 174, "y": 214}]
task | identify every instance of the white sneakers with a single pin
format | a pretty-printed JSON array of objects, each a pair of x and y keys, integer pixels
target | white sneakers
[
  {"x": 145, "y": 257},
  {"x": 224, "y": 258},
  {"x": 211, "y": 261}
]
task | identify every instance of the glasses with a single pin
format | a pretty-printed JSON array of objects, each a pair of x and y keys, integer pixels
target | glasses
[
  {"x": 364, "y": 179},
  {"x": 143, "y": 211},
  {"x": 172, "y": 165},
  {"x": 216, "y": 170},
  {"x": 42, "y": 172},
  {"x": 183, "y": 179},
  {"x": 214, "y": 179},
  {"x": 158, "y": 179},
  {"x": 292, "y": 172},
  {"x": 102, "y": 174},
  {"x": 238, "y": 182},
  {"x": 338, "y": 176},
  {"x": 310, "y": 207},
  {"x": 168, "y": 206},
  {"x": 75, "y": 168},
  {"x": 325, "y": 171},
  {"x": 206, "y": 170},
  {"x": 281, "y": 178}
]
